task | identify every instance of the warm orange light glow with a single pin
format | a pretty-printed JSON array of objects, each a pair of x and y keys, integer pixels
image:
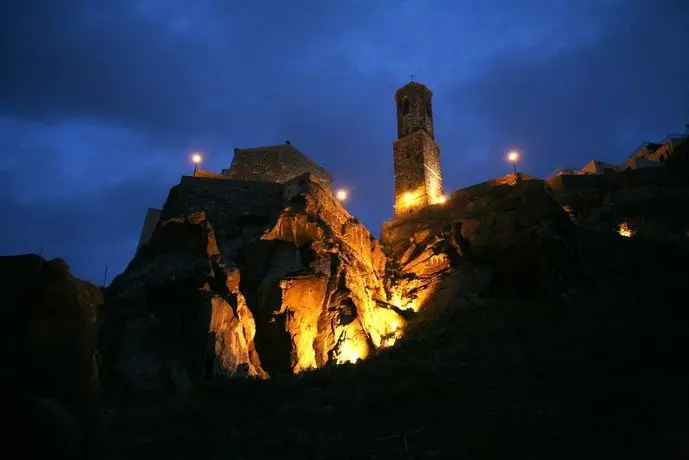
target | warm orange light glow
[
  {"x": 624, "y": 230},
  {"x": 196, "y": 158},
  {"x": 441, "y": 199},
  {"x": 513, "y": 156},
  {"x": 394, "y": 326},
  {"x": 342, "y": 194},
  {"x": 408, "y": 198},
  {"x": 398, "y": 300},
  {"x": 350, "y": 352}
]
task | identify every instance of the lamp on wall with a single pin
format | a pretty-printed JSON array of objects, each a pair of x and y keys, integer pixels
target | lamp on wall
[
  {"x": 196, "y": 159},
  {"x": 513, "y": 156},
  {"x": 342, "y": 194}
]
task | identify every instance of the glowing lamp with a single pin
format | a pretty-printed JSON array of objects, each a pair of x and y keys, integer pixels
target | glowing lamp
[
  {"x": 408, "y": 198},
  {"x": 513, "y": 156},
  {"x": 196, "y": 159},
  {"x": 342, "y": 194},
  {"x": 441, "y": 199}
]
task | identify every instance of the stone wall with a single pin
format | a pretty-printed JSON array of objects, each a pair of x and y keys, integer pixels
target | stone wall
[
  {"x": 209, "y": 174},
  {"x": 417, "y": 172},
  {"x": 414, "y": 109},
  {"x": 620, "y": 179},
  {"x": 467, "y": 194},
  {"x": 278, "y": 163},
  {"x": 222, "y": 199},
  {"x": 150, "y": 224}
]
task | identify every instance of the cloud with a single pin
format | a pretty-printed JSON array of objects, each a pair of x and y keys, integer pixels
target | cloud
[
  {"x": 597, "y": 99},
  {"x": 103, "y": 100},
  {"x": 89, "y": 211}
]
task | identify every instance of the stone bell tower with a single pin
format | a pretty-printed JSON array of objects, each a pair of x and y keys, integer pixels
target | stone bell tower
[{"x": 418, "y": 178}]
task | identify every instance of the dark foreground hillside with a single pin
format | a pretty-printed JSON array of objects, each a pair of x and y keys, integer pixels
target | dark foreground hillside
[{"x": 597, "y": 374}]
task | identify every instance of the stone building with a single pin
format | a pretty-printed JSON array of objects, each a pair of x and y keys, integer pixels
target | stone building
[
  {"x": 647, "y": 155},
  {"x": 250, "y": 168},
  {"x": 274, "y": 163},
  {"x": 418, "y": 177}
]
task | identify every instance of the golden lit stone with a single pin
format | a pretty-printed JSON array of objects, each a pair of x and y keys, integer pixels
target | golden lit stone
[
  {"x": 624, "y": 230},
  {"x": 350, "y": 352}
]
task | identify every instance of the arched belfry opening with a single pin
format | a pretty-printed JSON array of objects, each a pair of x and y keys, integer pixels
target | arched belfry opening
[
  {"x": 405, "y": 105},
  {"x": 418, "y": 177}
]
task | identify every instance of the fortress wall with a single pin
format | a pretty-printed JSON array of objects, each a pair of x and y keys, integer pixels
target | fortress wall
[
  {"x": 222, "y": 198},
  {"x": 302, "y": 184},
  {"x": 622, "y": 179},
  {"x": 150, "y": 224},
  {"x": 574, "y": 183},
  {"x": 321, "y": 203},
  {"x": 465, "y": 195},
  {"x": 209, "y": 174},
  {"x": 274, "y": 164}
]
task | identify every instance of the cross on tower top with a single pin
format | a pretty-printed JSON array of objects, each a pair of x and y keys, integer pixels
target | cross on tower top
[{"x": 412, "y": 77}]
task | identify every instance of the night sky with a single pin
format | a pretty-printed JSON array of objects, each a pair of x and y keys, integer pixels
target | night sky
[{"x": 102, "y": 101}]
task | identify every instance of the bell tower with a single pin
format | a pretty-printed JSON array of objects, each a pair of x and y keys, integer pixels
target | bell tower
[{"x": 418, "y": 178}]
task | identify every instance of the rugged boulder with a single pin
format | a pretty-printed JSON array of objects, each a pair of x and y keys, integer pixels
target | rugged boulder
[
  {"x": 291, "y": 283},
  {"x": 176, "y": 314},
  {"x": 519, "y": 236},
  {"x": 649, "y": 203},
  {"x": 48, "y": 331},
  {"x": 50, "y": 382},
  {"x": 505, "y": 237},
  {"x": 256, "y": 279}
]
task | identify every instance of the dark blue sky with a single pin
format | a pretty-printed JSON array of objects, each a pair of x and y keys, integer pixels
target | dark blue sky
[{"x": 101, "y": 101}]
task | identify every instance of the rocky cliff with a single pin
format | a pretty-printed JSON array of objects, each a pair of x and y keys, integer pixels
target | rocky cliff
[
  {"x": 49, "y": 375},
  {"x": 48, "y": 330},
  {"x": 521, "y": 237},
  {"x": 246, "y": 279},
  {"x": 255, "y": 279},
  {"x": 250, "y": 279}
]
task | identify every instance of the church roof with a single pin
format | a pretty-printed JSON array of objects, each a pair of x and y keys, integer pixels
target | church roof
[{"x": 415, "y": 85}]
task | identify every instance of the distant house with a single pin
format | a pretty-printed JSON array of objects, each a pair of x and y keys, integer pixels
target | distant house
[
  {"x": 598, "y": 167},
  {"x": 636, "y": 162},
  {"x": 647, "y": 155},
  {"x": 564, "y": 171}
]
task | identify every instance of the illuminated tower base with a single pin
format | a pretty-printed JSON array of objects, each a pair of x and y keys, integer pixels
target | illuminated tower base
[{"x": 418, "y": 177}]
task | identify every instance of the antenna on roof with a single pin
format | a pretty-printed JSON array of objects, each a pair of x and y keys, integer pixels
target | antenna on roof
[{"x": 288, "y": 142}]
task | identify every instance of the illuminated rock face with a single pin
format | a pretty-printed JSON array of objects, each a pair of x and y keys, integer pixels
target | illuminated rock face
[
  {"x": 289, "y": 287},
  {"x": 295, "y": 282},
  {"x": 315, "y": 280},
  {"x": 498, "y": 238},
  {"x": 176, "y": 315}
]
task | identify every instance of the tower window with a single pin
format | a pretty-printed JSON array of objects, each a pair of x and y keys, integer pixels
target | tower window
[{"x": 405, "y": 105}]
